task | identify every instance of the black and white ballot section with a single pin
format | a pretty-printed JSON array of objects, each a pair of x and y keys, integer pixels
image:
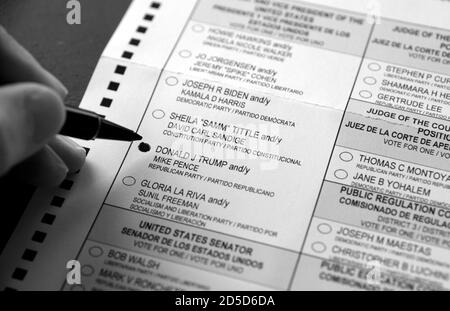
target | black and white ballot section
[
  {"x": 382, "y": 221},
  {"x": 242, "y": 44},
  {"x": 217, "y": 161}
]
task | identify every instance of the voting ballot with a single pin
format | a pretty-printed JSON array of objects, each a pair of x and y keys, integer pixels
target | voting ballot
[{"x": 286, "y": 145}]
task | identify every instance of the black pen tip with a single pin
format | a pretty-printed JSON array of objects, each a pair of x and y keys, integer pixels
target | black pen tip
[
  {"x": 109, "y": 130},
  {"x": 128, "y": 135},
  {"x": 136, "y": 136}
]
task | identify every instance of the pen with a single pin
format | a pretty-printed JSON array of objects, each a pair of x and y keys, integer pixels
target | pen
[{"x": 88, "y": 125}]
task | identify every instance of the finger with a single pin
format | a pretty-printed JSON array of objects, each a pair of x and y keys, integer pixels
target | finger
[
  {"x": 69, "y": 151},
  {"x": 18, "y": 65},
  {"x": 43, "y": 169},
  {"x": 30, "y": 115}
]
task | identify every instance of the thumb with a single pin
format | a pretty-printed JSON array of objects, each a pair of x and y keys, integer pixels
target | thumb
[{"x": 30, "y": 114}]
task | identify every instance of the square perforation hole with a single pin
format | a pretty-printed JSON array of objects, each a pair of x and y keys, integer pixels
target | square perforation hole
[
  {"x": 38, "y": 236},
  {"x": 29, "y": 255},
  {"x": 120, "y": 70},
  {"x": 127, "y": 55},
  {"x": 155, "y": 5},
  {"x": 106, "y": 102},
  {"x": 135, "y": 42}
]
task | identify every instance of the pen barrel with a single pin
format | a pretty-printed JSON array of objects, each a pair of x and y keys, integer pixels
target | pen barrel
[{"x": 81, "y": 124}]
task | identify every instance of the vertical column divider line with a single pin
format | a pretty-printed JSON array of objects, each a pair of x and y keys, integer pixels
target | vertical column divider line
[{"x": 363, "y": 56}]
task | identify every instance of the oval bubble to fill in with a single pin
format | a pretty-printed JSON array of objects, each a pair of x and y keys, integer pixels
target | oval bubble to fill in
[
  {"x": 365, "y": 94},
  {"x": 340, "y": 174},
  {"x": 95, "y": 251},
  {"x": 158, "y": 114},
  {"x": 318, "y": 247},
  {"x": 370, "y": 80},
  {"x": 374, "y": 66},
  {"x": 185, "y": 53},
  {"x": 171, "y": 81},
  {"x": 87, "y": 270},
  {"x": 129, "y": 181},
  {"x": 144, "y": 147},
  {"x": 324, "y": 228},
  {"x": 346, "y": 156}
]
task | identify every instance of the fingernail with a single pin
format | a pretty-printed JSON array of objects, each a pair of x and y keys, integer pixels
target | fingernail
[
  {"x": 47, "y": 113},
  {"x": 64, "y": 91},
  {"x": 74, "y": 145},
  {"x": 61, "y": 169},
  {"x": 71, "y": 142}
]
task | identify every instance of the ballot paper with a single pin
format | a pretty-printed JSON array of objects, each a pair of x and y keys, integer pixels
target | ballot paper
[{"x": 287, "y": 145}]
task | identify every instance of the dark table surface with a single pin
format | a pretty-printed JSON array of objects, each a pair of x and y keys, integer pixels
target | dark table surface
[{"x": 70, "y": 52}]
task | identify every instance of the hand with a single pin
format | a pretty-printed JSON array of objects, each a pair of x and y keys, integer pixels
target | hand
[{"x": 31, "y": 114}]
